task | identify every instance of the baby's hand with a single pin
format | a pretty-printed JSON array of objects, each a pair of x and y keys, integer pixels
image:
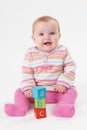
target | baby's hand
[
  {"x": 28, "y": 93},
  {"x": 60, "y": 88}
]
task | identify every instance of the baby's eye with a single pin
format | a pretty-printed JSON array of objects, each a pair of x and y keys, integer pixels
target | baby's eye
[
  {"x": 52, "y": 33},
  {"x": 41, "y": 34}
]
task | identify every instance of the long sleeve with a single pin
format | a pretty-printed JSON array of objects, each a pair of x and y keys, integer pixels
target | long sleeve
[
  {"x": 67, "y": 78},
  {"x": 27, "y": 73}
]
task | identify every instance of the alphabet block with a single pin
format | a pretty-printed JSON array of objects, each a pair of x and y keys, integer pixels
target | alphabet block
[
  {"x": 40, "y": 112},
  {"x": 39, "y": 92},
  {"x": 40, "y": 103}
]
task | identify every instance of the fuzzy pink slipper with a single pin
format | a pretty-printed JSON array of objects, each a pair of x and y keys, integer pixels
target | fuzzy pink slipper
[
  {"x": 64, "y": 110},
  {"x": 14, "y": 110}
]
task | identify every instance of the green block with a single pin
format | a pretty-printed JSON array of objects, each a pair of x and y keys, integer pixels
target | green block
[{"x": 40, "y": 103}]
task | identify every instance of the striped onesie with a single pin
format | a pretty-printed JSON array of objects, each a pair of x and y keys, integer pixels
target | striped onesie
[{"x": 48, "y": 68}]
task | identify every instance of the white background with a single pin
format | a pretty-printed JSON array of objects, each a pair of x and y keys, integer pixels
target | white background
[{"x": 16, "y": 18}]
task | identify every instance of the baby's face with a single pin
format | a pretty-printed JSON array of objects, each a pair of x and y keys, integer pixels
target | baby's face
[{"x": 46, "y": 35}]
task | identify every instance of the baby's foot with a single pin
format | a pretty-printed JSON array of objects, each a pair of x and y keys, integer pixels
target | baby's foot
[
  {"x": 14, "y": 110},
  {"x": 64, "y": 110}
]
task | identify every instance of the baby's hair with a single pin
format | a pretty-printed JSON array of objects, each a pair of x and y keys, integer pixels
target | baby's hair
[{"x": 45, "y": 19}]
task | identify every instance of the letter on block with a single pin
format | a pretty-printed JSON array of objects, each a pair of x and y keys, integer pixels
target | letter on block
[
  {"x": 40, "y": 112},
  {"x": 40, "y": 103},
  {"x": 39, "y": 92}
]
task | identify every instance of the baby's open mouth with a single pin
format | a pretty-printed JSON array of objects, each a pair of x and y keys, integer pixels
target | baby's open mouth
[{"x": 47, "y": 43}]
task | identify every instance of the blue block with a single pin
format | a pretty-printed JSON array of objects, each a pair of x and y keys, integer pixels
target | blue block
[{"x": 39, "y": 92}]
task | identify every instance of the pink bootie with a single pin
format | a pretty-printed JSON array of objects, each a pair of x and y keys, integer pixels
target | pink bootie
[
  {"x": 64, "y": 110},
  {"x": 14, "y": 110}
]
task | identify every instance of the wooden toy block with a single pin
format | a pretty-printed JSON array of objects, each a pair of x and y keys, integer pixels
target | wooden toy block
[
  {"x": 39, "y": 92},
  {"x": 40, "y": 112},
  {"x": 40, "y": 103}
]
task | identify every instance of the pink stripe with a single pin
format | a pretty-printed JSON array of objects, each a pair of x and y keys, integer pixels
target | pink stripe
[
  {"x": 61, "y": 50},
  {"x": 30, "y": 53},
  {"x": 69, "y": 63},
  {"x": 27, "y": 80},
  {"x": 25, "y": 67},
  {"x": 46, "y": 80},
  {"x": 25, "y": 87},
  {"x": 49, "y": 67},
  {"x": 38, "y": 52}
]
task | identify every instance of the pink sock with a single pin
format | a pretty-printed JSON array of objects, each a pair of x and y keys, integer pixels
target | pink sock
[
  {"x": 14, "y": 110},
  {"x": 64, "y": 110}
]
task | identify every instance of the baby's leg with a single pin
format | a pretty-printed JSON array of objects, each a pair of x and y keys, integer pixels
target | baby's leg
[
  {"x": 20, "y": 107},
  {"x": 51, "y": 97},
  {"x": 65, "y": 106}
]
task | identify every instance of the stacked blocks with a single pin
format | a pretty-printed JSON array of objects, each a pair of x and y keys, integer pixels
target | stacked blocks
[{"x": 39, "y": 95}]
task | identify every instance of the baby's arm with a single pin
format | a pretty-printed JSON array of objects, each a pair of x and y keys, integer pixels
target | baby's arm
[
  {"x": 28, "y": 81},
  {"x": 66, "y": 79}
]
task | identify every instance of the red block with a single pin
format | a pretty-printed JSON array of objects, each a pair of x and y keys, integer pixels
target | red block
[{"x": 40, "y": 112}]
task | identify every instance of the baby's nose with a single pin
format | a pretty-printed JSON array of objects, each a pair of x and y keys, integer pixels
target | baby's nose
[{"x": 47, "y": 36}]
